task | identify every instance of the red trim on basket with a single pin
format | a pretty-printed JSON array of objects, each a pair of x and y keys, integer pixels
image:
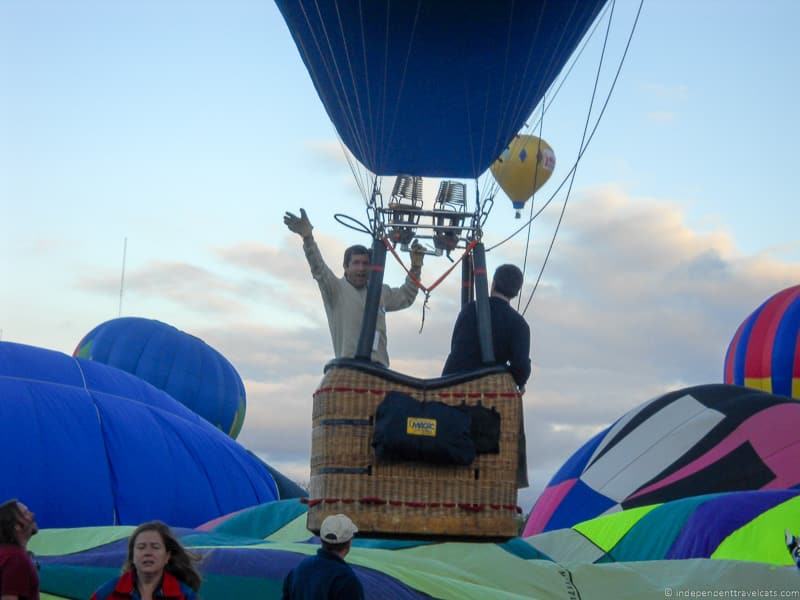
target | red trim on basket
[
  {"x": 472, "y": 507},
  {"x": 356, "y": 390},
  {"x": 488, "y": 395},
  {"x": 372, "y": 500},
  {"x": 381, "y": 392},
  {"x": 376, "y": 501}
]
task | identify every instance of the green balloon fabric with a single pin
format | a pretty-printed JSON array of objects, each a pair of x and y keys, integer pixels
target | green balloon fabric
[{"x": 249, "y": 554}]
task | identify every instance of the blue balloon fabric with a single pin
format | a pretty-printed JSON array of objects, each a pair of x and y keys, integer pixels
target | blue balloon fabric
[
  {"x": 87, "y": 444},
  {"x": 434, "y": 87},
  {"x": 180, "y": 364}
]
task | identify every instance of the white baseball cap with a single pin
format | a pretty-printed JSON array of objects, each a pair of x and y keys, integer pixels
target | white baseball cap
[{"x": 337, "y": 529}]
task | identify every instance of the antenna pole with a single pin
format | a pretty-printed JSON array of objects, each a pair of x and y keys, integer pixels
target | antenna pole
[{"x": 122, "y": 277}]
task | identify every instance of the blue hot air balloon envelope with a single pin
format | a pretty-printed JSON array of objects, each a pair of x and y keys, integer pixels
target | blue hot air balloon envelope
[
  {"x": 88, "y": 444},
  {"x": 434, "y": 87},
  {"x": 180, "y": 364}
]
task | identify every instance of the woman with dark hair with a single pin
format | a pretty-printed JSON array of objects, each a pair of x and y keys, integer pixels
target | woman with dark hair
[
  {"x": 157, "y": 567},
  {"x": 18, "y": 577}
]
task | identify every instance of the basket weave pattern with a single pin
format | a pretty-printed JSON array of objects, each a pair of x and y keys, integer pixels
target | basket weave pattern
[{"x": 410, "y": 497}]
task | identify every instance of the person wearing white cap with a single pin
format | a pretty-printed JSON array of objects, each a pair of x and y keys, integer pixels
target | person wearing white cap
[{"x": 326, "y": 576}]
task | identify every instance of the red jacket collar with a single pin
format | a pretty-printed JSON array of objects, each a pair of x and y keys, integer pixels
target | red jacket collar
[
  {"x": 170, "y": 586},
  {"x": 125, "y": 583}
]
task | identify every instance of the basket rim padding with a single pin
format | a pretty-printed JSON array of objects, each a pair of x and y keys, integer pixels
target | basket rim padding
[{"x": 417, "y": 383}]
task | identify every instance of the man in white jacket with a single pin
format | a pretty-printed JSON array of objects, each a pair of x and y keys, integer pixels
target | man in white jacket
[{"x": 345, "y": 297}]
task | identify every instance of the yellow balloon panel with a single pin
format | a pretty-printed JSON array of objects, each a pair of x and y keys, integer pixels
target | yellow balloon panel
[{"x": 524, "y": 167}]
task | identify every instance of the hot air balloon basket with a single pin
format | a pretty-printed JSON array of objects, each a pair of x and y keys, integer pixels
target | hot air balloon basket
[{"x": 411, "y": 496}]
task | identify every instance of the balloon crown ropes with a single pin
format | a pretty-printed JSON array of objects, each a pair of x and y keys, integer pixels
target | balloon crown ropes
[{"x": 465, "y": 76}]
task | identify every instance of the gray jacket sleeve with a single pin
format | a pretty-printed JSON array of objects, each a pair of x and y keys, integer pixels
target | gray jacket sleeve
[
  {"x": 320, "y": 271},
  {"x": 400, "y": 297}
]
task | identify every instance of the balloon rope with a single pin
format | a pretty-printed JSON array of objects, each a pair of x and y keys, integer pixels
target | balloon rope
[
  {"x": 588, "y": 139},
  {"x": 401, "y": 85},
  {"x": 582, "y": 146},
  {"x": 371, "y": 143},
  {"x": 564, "y": 79},
  {"x": 331, "y": 69},
  {"x": 92, "y": 399},
  {"x": 357, "y": 124},
  {"x": 418, "y": 283},
  {"x": 355, "y": 170},
  {"x": 416, "y": 280},
  {"x": 517, "y": 110},
  {"x": 490, "y": 186},
  {"x": 533, "y": 196},
  {"x": 504, "y": 79}
]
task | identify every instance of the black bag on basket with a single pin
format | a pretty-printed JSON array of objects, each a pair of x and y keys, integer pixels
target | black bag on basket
[
  {"x": 432, "y": 432},
  {"x": 485, "y": 428}
]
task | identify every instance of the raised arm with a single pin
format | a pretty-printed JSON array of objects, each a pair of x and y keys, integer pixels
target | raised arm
[
  {"x": 319, "y": 270},
  {"x": 403, "y": 296}
]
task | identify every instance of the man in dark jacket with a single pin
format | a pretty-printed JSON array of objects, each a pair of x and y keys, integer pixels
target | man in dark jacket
[
  {"x": 326, "y": 576},
  {"x": 511, "y": 336}
]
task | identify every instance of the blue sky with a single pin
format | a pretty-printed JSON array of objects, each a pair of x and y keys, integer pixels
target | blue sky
[{"x": 190, "y": 127}]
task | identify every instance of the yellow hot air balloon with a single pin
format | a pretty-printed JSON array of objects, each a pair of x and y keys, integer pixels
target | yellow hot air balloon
[{"x": 523, "y": 168}]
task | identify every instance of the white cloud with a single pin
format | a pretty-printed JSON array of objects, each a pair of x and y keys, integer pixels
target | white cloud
[
  {"x": 633, "y": 304},
  {"x": 183, "y": 284},
  {"x": 666, "y": 98},
  {"x": 336, "y": 159},
  {"x": 328, "y": 152},
  {"x": 661, "y": 91},
  {"x": 661, "y": 116}
]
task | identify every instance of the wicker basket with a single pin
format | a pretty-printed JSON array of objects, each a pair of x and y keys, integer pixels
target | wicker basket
[{"x": 478, "y": 500}]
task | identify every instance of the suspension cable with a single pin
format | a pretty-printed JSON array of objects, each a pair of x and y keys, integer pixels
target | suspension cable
[
  {"x": 588, "y": 139},
  {"x": 490, "y": 186},
  {"x": 563, "y": 209},
  {"x": 533, "y": 196}
]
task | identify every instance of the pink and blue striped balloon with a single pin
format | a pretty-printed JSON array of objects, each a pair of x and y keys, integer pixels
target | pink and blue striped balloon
[{"x": 765, "y": 351}]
